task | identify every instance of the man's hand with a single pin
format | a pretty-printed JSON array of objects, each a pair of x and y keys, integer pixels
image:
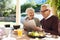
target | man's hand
[{"x": 37, "y": 29}]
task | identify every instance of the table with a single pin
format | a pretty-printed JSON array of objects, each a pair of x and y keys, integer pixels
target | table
[{"x": 25, "y": 37}]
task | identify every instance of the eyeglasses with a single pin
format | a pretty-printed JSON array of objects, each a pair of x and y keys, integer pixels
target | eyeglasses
[{"x": 45, "y": 10}]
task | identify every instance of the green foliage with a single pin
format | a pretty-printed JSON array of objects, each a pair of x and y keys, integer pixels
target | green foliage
[
  {"x": 3, "y": 4},
  {"x": 48, "y": 1},
  {"x": 58, "y": 9},
  {"x": 5, "y": 7},
  {"x": 25, "y": 6},
  {"x": 58, "y": 13},
  {"x": 56, "y": 3},
  {"x": 36, "y": 7},
  {"x": 52, "y": 2},
  {"x": 6, "y": 14},
  {"x": 13, "y": 11}
]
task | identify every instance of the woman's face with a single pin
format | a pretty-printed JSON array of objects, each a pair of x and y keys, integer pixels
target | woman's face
[{"x": 30, "y": 14}]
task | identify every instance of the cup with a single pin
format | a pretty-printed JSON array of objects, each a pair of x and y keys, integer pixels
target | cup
[
  {"x": 18, "y": 29},
  {"x": 16, "y": 26},
  {"x": 20, "y": 32},
  {"x": 7, "y": 25}
]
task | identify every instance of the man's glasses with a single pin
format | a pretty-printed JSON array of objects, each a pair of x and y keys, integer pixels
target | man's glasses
[{"x": 44, "y": 10}]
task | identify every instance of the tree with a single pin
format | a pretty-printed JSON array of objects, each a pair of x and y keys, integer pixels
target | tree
[
  {"x": 55, "y": 4},
  {"x": 4, "y": 5},
  {"x": 58, "y": 11},
  {"x": 23, "y": 7}
]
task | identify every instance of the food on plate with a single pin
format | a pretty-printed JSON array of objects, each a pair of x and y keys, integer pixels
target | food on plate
[{"x": 36, "y": 34}]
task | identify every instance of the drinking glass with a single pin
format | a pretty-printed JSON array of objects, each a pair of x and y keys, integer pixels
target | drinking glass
[{"x": 20, "y": 32}]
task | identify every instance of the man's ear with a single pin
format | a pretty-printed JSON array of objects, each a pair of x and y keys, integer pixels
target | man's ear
[{"x": 49, "y": 10}]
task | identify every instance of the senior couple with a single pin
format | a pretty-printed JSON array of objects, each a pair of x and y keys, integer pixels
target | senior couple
[{"x": 49, "y": 22}]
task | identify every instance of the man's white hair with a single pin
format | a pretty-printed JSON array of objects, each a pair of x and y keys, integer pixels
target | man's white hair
[
  {"x": 47, "y": 5},
  {"x": 28, "y": 9}
]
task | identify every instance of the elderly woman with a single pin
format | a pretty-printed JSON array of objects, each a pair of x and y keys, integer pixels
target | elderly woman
[
  {"x": 31, "y": 23},
  {"x": 49, "y": 22}
]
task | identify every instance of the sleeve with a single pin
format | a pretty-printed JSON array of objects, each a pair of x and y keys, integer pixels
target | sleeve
[{"x": 37, "y": 22}]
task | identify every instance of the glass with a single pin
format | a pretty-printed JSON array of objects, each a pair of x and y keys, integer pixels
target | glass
[
  {"x": 9, "y": 36},
  {"x": 20, "y": 32},
  {"x": 18, "y": 29},
  {"x": 7, "y": 29}
]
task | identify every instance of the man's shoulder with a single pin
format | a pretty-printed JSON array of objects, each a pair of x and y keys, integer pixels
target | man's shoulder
[{"x": 54, "y": 17}]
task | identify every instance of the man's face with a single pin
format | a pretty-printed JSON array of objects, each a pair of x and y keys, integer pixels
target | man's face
[
  {"x": 30, "y": 14},
  {"x": 46, "y": 13}
]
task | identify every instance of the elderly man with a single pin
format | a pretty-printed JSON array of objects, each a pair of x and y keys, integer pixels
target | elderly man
[
  {"x": 49, "y": 22},
  {"x": 31, "y": 23}
]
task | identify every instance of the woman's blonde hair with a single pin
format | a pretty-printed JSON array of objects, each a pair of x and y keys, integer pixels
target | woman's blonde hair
[{"x": 29, "y": 9}]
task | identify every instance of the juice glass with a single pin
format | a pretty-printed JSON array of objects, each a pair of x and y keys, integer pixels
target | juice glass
[{"x": 20, "y": 32}]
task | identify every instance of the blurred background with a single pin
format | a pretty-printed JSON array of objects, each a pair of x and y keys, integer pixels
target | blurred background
[{"x": 7, "y": 10}]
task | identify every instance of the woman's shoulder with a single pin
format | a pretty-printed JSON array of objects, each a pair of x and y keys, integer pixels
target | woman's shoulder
[{"x": 36, "y": 18}]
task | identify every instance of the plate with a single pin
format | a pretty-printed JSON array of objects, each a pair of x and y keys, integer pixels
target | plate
[{"x": 36, "y": 34}]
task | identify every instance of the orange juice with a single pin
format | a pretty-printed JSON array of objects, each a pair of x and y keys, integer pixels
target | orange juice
[{"x": 19, "y": 32}]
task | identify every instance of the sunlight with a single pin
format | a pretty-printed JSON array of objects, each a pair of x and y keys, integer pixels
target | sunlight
[
  {"x": 22, "y": 2},
  {"x": 14, "y": 2}
]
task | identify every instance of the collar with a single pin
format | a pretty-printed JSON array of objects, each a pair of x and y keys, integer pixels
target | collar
[{"x": 49, "y": 16}]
